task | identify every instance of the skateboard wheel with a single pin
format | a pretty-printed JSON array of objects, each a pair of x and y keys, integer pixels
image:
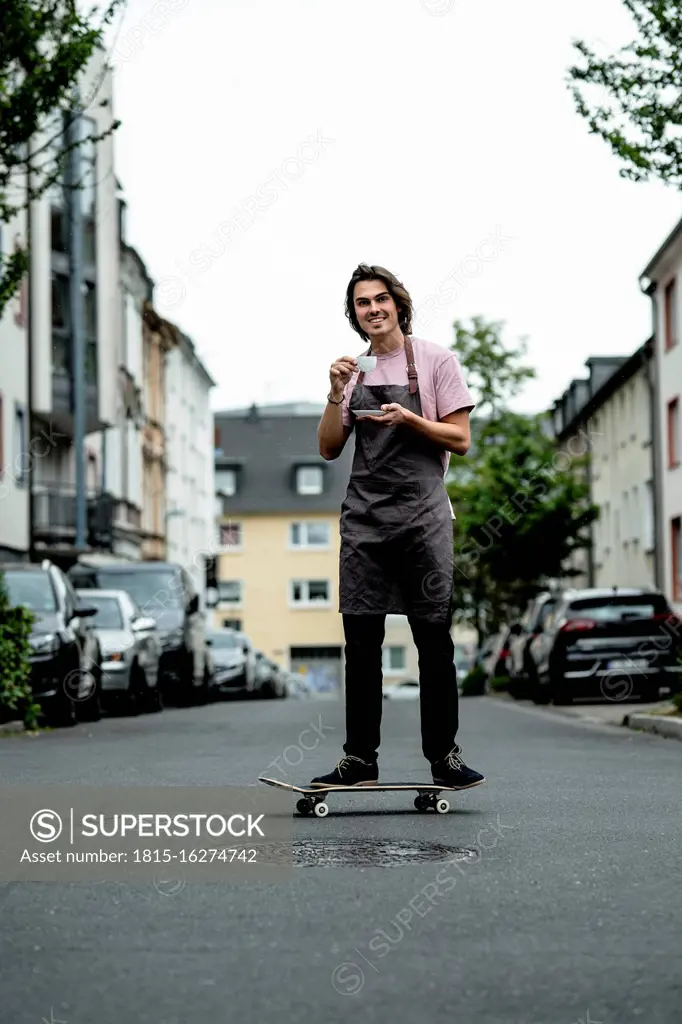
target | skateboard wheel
[
  {"x": 442, "y": 806},
  {"x": 420, "y": 803},
  {"x": 321, "y": 809},
  {"x": 303, "y": 807}
]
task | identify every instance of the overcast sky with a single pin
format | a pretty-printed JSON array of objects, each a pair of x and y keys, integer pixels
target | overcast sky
[{"x": 267, "y": 148}]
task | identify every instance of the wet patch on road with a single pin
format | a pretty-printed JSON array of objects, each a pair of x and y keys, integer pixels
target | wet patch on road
[{"x": 316, "y": 853}]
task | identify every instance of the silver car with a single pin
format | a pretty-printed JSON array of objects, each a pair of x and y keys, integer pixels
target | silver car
[
  {"x": 131, "y": 650},
  {"x": 234, "y": 661}
]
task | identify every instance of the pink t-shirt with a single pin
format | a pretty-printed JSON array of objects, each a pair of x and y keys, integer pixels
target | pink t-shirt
[{"x": 442, "y": 388}]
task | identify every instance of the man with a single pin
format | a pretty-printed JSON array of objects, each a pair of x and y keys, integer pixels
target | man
[{"x": 396, "y": 521}]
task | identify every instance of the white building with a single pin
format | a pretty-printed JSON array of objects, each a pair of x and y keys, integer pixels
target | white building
[
  {"x": 18, "y": 448},
  {"x": 52, "y": 479},
  {"x": 190, "y": 474},
  {"x": 569, "y": 418},
  {"x": 120, "y": 450},
  {"x": 619, "y": 424},
  {"x": 662, "y": 280}
]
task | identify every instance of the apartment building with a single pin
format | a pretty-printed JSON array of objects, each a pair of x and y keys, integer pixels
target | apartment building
[
  {"x": 662, "y": 281},
  {"x": 18, "y": 448},
  {"x": 618, "y": 420},
  {"x": 159, "y": 337},
  {"x": 121, "y": 445},
  {"x": 52, "y": 479},
  {"x": 190, "y": 489},
  {"x": 277, "y": 554},
  {"x": 575, "y": 436}
]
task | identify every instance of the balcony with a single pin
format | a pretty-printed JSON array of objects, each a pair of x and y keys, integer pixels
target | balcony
[
  {"x": 62, "y": 385},
  {"x": 127, "y": 529},
  {"x": 54, "y": 519}
]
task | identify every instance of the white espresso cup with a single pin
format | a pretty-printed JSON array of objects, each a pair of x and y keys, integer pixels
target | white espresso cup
[{"x": 367, "y": 363}]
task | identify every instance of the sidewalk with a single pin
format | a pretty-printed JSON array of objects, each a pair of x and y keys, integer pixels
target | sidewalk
[
  {"x": 11, "y": 727},
  {"x": 660, "y": 724},
  {"x": 654, "y": 718}
]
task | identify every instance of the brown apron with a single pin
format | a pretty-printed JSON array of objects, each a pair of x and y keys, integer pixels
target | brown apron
[{"x": 396, "y": 519}]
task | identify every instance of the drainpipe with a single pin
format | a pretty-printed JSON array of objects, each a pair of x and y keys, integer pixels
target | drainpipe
[
  {"x": 29, "y": 358},
  {"x": 74, "y": 201},
  {"x": 652, "y": 373},
  {"x": 590, "y": 550},
  {"x": 656, "y": 466}
]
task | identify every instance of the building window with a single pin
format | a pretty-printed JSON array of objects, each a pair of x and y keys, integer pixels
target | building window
[
  {"x": 307, "y": 593},
  {"x": 607, "y": 524},
  {"x": 231, "y": 536},
  {"x": 648, "y": 526},
  {"x": 88, "y": 188},
  {"x": 309, "y": 480},
  {"x": 21, "y": 456},
  {"x": 636, "y": 524},
  {"x": 392, "y": 660},
  {"x": 230, "y": 591},
  {"x": 90, "y": 326},
  {"x": 233, "y": 624},
  {"x": 676, "y": 539},
  {"x": 310, "y": 535},
  {"x": 61, "y": 325},
  {"x": 670, "y": 314},
  {"x": 673, "y": 433},
  {"x": 226, "y": 481}
]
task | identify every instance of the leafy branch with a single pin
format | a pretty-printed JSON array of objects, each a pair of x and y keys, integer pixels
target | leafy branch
[{"x": 638, "y": 112}]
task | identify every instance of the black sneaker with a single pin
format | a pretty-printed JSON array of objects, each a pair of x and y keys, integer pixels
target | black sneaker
[
  {"x": 350, "y": 771},
  {"x": 453, "y": 772}
]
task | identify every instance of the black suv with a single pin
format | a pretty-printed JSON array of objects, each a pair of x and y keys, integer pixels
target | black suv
[
  {"x": 165, "y": 592},
  {"x": 609, "y": 643},
  {"x": 66, "y": 662}
]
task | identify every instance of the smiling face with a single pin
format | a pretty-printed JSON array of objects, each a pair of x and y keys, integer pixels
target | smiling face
[{"x": 375, "y": 308}]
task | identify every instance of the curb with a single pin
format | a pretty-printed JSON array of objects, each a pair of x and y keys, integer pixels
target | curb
[
  {"x": 660, "y": 725},
  {"x": 12, "y": 727}
]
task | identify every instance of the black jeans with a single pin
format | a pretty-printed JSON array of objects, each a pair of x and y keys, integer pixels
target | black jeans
[{"x": 438, "y": 698}]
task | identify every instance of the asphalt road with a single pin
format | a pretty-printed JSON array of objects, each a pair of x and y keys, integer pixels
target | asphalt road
[{"x": 569, "y": 911}]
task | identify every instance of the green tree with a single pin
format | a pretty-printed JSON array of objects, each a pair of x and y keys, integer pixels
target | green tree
[
  {"x": 44, "y": 47},
  {"x": 522, "y": 507},
  {"x": 633, "y": 98},
  {"x": 494, "y": 372},
  {"x": 16, "y": 694}
]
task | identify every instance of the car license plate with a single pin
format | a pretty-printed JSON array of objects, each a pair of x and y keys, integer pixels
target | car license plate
[{"x": 628, "y": 663}]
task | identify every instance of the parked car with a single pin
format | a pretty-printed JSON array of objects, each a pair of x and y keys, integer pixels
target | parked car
[
  {"x": 165, "y": 592},
  {"x": 131, "y": 651},
  {"x": 464, "y": 660},
  {"x": 234, "y": 663},
  {"x": 484, "y": 650},
  {"x": 66, "y": 661},
  {"x": 607, "y": 642},
  {"x": 407, "y": 690},
  {"x": 269, "y": 679},
  {"x": 493, "y": 653},
  {"x": 520, "y": 665},
  {"x": 297, "y": 685}
]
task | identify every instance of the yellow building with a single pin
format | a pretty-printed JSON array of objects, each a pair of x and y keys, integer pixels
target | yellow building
[{"x": 278, "y": 544}]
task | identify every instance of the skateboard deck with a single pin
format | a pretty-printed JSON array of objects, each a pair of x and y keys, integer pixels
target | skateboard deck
[{"x": 314, "y": 798}]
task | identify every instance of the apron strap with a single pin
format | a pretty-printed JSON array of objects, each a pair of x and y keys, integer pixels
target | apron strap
[
  {"x": 412, "y": 377},
  {"x": 411, "y": 367}
]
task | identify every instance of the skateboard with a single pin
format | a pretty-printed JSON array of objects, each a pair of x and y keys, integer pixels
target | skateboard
[{"x": 314, "y": 798}]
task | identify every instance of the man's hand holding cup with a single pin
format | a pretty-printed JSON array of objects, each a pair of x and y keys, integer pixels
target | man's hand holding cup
[{"x": 340, "y": 373}]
